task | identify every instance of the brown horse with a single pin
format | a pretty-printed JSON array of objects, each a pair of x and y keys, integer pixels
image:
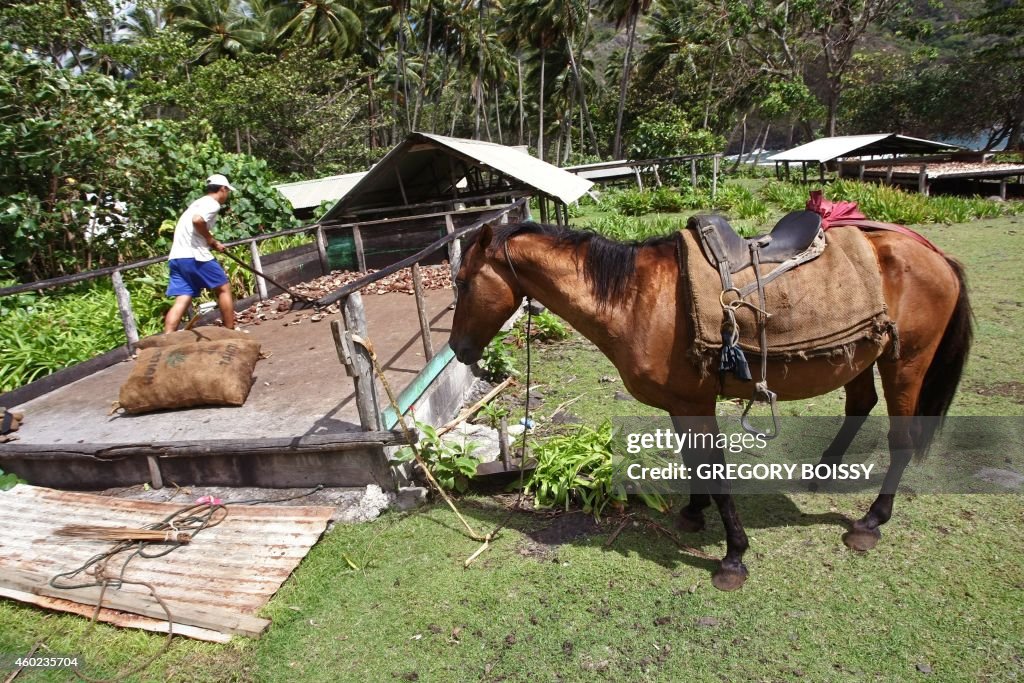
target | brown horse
[{"x": 627, "y": 299}]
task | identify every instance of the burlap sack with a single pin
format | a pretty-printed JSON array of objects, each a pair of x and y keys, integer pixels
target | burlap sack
[
  {"x": 198, "y": 334},
  {"x": 819, "y": 308},
  {"x": 211, "y": 373}
]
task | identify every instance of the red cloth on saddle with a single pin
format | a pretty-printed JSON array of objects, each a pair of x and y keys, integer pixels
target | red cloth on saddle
[{"x": 835, "y": 214}]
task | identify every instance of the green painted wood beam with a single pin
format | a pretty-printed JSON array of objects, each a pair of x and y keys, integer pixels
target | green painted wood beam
[{"x": 412, "y": 393}]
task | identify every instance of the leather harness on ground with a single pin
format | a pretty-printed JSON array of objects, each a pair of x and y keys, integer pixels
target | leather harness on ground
[{"x": 795, "y": 239}]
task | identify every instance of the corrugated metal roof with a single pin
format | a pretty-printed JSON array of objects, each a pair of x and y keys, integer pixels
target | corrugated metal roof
[
  {"x": 827, "y": 149},
  {"x": 309, "y": 194},
  {"x": 429, "y": 165},
  {"x": 235, "y": 566}
]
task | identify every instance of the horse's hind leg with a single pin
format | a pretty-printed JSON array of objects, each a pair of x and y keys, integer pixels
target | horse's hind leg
[
  {"x": 861, "y": 397},
  {"x": 691, "y": 517},
  {"x": 901, "y": 383}
]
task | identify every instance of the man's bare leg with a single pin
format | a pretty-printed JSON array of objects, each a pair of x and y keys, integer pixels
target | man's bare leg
[
  {"x": 226, "y": 302},
  {"x": 177, "y": 312}
]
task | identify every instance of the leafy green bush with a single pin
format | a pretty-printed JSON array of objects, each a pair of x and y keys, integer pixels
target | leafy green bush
[
  {"x": 578, "y": 467},
  {"x": 628, "y": 229},
  {"x": 549, "y": 327},
  {"x": 53, "y": 332},
  {"x": 498, "y": 362},
  {"x": 785, "y": 196},
  {"x": 8, "y": 481},
  {"x": 633, "y": 202},
  {"x": 492, "y": 413},
  {"x": 667, "y": 200},
  {"x": 452, "y": 465}
]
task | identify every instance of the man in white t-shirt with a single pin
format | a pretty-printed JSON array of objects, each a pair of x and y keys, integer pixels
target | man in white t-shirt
[{"x": 192, "y": 266}]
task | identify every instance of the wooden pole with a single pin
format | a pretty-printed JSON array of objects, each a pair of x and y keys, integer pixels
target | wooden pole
[
  {"x": 124, "y": 306},
  {"x": 693, "y": 173},
  {"x": 156, "y": 480},
  {"x": 357, "y": 240},
  {"x": 366, "y": 389},
  {"x": 454, "y": 251},
  {"x": 421, "y": 309},
  {"x": 401, "y": 187},
  {"x": 321, "y": 250},
  {"x": 922, "y": 180},
  {"x": 714, "y": 175},
  {"x": 888, "y": 175},
  {"x": 821, "y": 172},
  {"x": 257, "y": 265}
]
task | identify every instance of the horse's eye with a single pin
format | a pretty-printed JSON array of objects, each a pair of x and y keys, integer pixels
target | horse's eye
[{"x": 461, "y": 284}]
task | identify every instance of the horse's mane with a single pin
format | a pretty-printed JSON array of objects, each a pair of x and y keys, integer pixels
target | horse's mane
[{"x": 609, "y": 265}]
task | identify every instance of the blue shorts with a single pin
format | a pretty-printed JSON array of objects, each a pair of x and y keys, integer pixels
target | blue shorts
[{"x": 190, "y": 277}]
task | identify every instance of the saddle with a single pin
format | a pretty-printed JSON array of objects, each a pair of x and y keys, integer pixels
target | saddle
[
  {"x": 797, "y": 238},
  {"x": 792, "y": 235}
]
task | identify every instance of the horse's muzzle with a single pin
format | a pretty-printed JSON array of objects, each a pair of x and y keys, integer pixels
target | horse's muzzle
[{"x": 464, "y": 351}]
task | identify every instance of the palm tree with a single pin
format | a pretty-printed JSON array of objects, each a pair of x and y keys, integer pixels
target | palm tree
[
  {"x": 220, "y": 28},
  {"x": 539, "y": 24},
  {"x": 624, "y": 12},
  {"x": 331, "y": 26}
]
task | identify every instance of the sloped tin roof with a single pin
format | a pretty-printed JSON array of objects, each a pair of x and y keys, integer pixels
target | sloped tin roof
[
  {"x": 827, "y": 149},
  {"x": 430, "y": 165},
  {"x": 309, "y": 194}
]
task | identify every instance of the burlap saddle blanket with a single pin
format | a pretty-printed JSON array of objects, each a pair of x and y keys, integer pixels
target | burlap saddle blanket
[{"x": 822, "y": 307}]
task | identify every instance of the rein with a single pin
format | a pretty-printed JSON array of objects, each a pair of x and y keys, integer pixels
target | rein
[{"x": 526, "y": 402}]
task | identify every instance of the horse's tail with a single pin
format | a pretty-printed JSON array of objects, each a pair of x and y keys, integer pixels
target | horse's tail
[{"x": 947, "y": 366}]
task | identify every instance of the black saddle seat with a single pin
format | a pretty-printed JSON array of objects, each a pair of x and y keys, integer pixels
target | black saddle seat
[{"x": 790, "y": 236}]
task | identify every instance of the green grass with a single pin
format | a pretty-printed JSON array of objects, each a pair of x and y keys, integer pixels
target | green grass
[{"x": 943, "y": 589}]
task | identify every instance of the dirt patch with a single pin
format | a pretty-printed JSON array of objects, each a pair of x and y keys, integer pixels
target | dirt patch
[
  {"x": 1011, "y": 390},
  {"x": 543, "y": 543}
]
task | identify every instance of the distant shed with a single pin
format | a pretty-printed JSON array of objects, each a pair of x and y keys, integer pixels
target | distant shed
[
  {"x": 902, "y": 160},
  {"x": 306, "y": 195},
  {"x": 430, "y": 185}
]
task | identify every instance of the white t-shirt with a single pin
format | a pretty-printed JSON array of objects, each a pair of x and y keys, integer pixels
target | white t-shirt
[{"x": 188, "y": 243}]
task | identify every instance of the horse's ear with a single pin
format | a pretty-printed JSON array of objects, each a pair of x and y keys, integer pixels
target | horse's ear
[{"x": 483, "y": 238}]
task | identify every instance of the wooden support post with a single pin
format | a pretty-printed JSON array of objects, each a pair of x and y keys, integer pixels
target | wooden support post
[
  {"x": 778, "y": 173},
  {"x": 693, "y": 173},
  {"x": 657, "y": 178},
  {"x": 559, "y": 215},
  {"x": 821, "y": 172},
  {"x": 362, "y": 366},
  {"x": 922, "y": 180},
  {"x": 714, "y": 175},
  {"x": 888, "y": 175},
  {"x": 454, "y": 250},
  {"x": 321, "y": 250},
  {"x": 401, "y": 187},
  {"x": 124, "y": 306},
  {"x": 804, "y": 165},
  {"x": 787, "y": 169},
  {"x": 257, "y": 265},
  {"x": 543, "y": 201},
  {"x": 639, "y": 182},
  {"x": 860, "y": 171},
  {"x": 503, "y": 443},
  {"x": 421, "y": 310},
  {"x": 1002, "y": 189},
  {"x": 156, "y": 480},
  {"x": 357, "y": 240}
]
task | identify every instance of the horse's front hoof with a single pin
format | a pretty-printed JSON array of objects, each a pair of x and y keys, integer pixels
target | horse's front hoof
[
  {"x": 729, "y": 577},
  {"x": 860, "y": 538},
  {"x": 690, "y": 524}
]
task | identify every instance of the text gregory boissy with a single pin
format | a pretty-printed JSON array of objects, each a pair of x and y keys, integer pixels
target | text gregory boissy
[{"x": 749, "y": 471}]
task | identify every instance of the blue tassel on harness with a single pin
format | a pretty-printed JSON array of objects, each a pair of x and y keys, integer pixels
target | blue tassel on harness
[{"x": 733, "y": 360}]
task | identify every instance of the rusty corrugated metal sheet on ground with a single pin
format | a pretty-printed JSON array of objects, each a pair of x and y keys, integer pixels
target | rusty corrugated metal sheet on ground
[{"x": 229, "y": 570}]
